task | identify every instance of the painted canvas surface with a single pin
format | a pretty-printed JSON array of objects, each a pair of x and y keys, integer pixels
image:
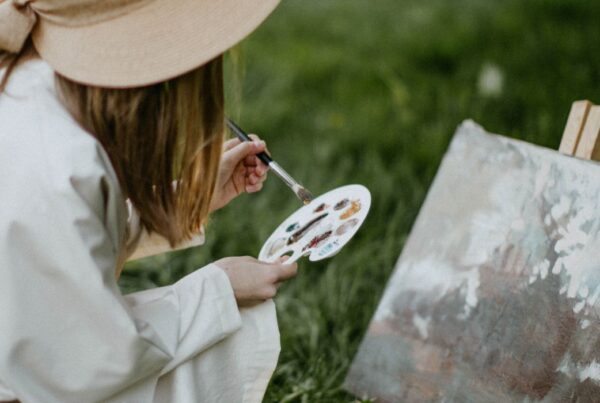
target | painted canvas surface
[{"x": 496, "y": 296}]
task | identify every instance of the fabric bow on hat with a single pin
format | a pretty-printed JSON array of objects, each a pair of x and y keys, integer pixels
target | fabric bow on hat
[{"x": 17, "y": 19}]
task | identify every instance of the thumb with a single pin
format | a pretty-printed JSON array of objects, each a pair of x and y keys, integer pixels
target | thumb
[
  {"x": 286, "y": 271},
  {"x": 236, "y": 154}
]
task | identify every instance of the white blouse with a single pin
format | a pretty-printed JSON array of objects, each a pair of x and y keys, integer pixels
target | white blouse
[{"x": 66, "y": 332}]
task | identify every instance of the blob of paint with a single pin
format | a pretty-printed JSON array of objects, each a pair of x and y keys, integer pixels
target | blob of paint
[
  {"x": 296, "y": 236},
  {"x": 329, "y": 248},
  {"x": 342, "y": 229},
  {"x": 316, "y": 241},
  {"x": 321, "y": 207},
  {"x": 292, "y": 227},
  {"x": 341, "y": 204},
  {"x": 353, "y": 209}
]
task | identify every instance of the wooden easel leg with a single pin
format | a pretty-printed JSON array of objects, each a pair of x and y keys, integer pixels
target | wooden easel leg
[
  {"x": 589, "y": 143},
  {"x": 574, "y": 128}
]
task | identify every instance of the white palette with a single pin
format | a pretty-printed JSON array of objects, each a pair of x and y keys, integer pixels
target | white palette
[{"x": 320, "y": 229}]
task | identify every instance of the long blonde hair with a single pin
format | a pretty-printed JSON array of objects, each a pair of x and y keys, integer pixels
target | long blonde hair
[{"x": 164, "y": 141}]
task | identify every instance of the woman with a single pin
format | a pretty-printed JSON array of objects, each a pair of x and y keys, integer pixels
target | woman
[{"x": 111, "y": 146}]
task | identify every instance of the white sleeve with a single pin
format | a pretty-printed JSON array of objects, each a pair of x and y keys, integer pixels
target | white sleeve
[
  {"x": 66, "y": 332},
  {"x": 221, "y": 316}
]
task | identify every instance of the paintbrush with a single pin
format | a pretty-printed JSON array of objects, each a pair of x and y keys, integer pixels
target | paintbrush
[{"x": 300, "y": 191}]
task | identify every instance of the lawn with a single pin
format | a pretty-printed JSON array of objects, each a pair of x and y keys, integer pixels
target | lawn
[{"x": 370, "y": 92}]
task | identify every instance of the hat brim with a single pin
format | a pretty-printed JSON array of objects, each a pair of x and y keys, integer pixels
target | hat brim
[{"x": 154, "y": 43}]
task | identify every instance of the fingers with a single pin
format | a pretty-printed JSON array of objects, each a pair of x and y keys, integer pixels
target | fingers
[
  {"x": 229, "y": 144},
  {"x": 260, "y": 169},
  {"x": 254, "y": 188},
  {"x": 256, "y": 167},
  {"x": 279, "y": 271},
  {"x": 243, "y": 154},
  {"x": 256, "y": 138},
  {"x": 254, "y": 164},
  {"x": 251, "y": 161},
  {"x": 254, "y": 281},
  {"x": 240, "y": 151},
  {"x": 255, "y": 179},
  {"x": 287, "y": 271}
]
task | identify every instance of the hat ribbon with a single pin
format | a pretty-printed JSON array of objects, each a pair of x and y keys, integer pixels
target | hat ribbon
[{"x": 17, "y": 19}]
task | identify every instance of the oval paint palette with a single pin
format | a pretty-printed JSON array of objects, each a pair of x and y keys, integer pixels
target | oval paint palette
[{"x": 321, "y": 228}]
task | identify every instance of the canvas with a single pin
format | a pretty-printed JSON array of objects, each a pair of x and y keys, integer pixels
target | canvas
[{"x": 495, "y": 297}]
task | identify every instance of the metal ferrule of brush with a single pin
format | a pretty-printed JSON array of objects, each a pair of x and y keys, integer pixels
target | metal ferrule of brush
[{"x": 279, "y": 171}]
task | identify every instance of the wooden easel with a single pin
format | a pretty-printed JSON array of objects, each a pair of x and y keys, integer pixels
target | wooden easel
[{"x": 581, "y": 137}]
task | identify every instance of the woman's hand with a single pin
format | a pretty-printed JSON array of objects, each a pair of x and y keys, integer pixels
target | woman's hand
[
  {"x": 253, "y": 281},
  {"x": 240, "y": 171}
]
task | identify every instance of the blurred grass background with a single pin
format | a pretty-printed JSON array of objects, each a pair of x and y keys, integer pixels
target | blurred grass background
[{"x": 350, "y": 91}]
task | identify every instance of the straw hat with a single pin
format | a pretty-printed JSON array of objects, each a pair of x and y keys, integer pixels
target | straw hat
[{"x": 127, "y": 43}]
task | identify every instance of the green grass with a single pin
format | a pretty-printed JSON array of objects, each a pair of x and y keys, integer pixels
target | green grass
[{"x": 349, "y": 91}]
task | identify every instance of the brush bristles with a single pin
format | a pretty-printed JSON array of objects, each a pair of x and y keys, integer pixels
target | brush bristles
[{"x": 304, "y": 195}]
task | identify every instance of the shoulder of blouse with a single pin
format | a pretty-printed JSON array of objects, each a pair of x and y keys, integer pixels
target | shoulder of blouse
[{"x": 46, "y": 157}]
